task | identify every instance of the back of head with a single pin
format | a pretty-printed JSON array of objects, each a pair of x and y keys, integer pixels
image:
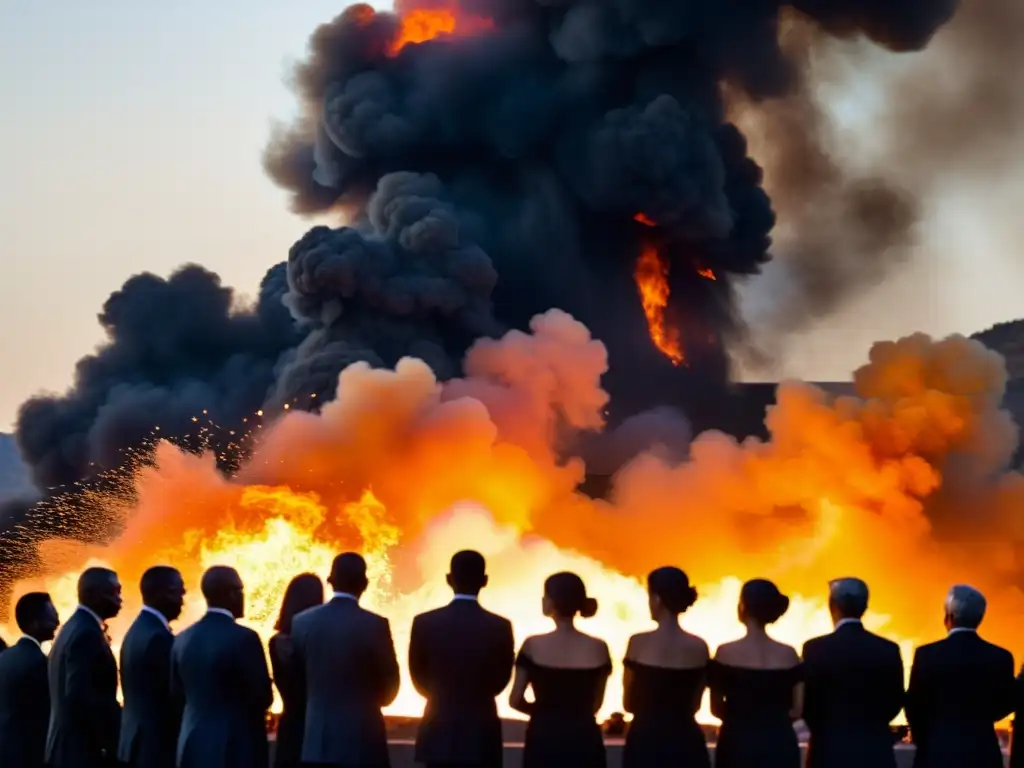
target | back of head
[
  {"x": 31, "y": 609},
  {"x": 672, "y": 586},
  {"x": 965, "y": 607},
  {"x": 468, "y": 572},
  {"x": 304, "y": 591},
  {"x": 100, "y": 591},
  {"x": 762, "y": 602},
  {"x": 222, "y": 588},
  {"x": 848, "y": 598},
  {"x": 348, "y": 574},
  {"x": 568, "y": 595}
]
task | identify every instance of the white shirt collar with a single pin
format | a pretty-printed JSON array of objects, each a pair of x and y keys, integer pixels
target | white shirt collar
[
  {"x": 222, "y": 612},
  {"x": 473, "y": 598},
  {"x": 954, "y": 630},
  {"x": 155, "y": 612},
  {"x": 844, "y": 622},
  {"x": 33, "y": 640},
  {"x": 344, "y": 596},
  {"x": 92, "y": 613}
]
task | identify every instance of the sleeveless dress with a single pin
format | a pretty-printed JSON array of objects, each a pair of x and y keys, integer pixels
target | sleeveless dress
[
  {"x": 756, "y": 729},
  {"x": 664, "y": 733},
  {"x": 563, "y": 731}
]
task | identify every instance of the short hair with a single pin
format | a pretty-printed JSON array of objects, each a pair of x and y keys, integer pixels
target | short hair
[
  {"x": 965, "y": 606},
  {"x": 157, "y": 579},
  {"x": 849, "y": 595},
  {"x": 93, "y": 579},
  {"x": 30, "y": 608},
  {"x": 218, "y": 581},
  {"x": 348, "y": 573},
  {"x": 468, "y": 570}
]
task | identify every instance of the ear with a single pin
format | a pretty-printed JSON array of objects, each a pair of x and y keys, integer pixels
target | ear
[
  {"x": 448, "y": 579},
  {"x": 483, "y": 582}
]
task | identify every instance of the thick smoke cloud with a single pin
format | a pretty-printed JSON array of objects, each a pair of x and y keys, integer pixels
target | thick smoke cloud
[{"x": 487, "y": 178}]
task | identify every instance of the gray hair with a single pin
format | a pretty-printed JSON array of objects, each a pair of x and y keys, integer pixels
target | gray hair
[
  {"x": 965, "y": 606},
  {"x": 849, "y": 595}
]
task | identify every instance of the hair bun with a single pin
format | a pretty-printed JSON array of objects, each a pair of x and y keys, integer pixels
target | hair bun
[
  {"x": 589, "y": 608},
  {"x": 781, "y": 607},
  {"x": 691, "y": 597}
]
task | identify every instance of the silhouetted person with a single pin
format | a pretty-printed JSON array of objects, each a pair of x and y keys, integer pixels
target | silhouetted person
[
  {"x": 84, "y": 713},
  {"x": 1017, "y": 731},
  {"x": 304, "y": 592},
  {"x": 152, "y": 717},
  {"x": 347, "y": 661},
  {"x": 24, "y": 688},
  {"x": 3, "y": 645},
  {"x": 665, "y": 672},
  {"x": 568, "y": 672},
  {"x": 853, "y": 687},
  {"x": 959, "y": 688},
  {"x": 460, "y": 658},
  {"x": 219, "y": 669},
  {"x": 755, "y": 687}
]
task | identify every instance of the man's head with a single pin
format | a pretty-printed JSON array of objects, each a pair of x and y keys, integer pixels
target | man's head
[
  {"x": 100, "y": 591},
  {"x": 468, "y": 573},
  {"x": 222, "y": 588},
  {"x": 965, "y": 607},
  {"x": 36, "y": 616},
  {"x": 348, "y": 574},
  {"x": 163, "y": 590},
  {"x": 847, "y": 598}
]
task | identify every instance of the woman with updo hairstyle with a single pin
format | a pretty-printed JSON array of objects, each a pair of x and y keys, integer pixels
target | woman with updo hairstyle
[
  {"x": 567, "y": 671},
  {"x": 664, "y": 679},
  {"x": 756, "y": 687}
]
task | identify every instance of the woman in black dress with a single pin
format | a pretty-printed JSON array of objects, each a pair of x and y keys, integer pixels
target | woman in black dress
[
  {"x": 664, "y": 679},
  {"x": 568, "y": 671},
  {"x": 756, "y": 688},
  {"x": 303, "y": 592}
]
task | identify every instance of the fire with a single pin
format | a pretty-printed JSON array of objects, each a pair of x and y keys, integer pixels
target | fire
[
  {"x": 406, "y": 470},
  {"x": 644, "y": 219},
  {"x": 421, "y": 24},
  {"x": 706, "y": 273},
  {"x": 652, "y": 282}
]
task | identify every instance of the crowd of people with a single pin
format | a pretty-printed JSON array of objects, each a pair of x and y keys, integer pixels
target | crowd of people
[{"x": 199, "y": 699}]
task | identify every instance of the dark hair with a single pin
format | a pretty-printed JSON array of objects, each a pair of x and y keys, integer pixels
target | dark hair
[
  {"x": 156, "y": 579},
  {"x": 672, "y": 586},
  {"x": 348, "y": 573},
  {"x": 304, "y": 591},
  {"x": 93, "y": 580},
  {"x": 30, "y": 608},
  {"x": 568, "y": 594},
  {"x": 468, "y": 571},
  {"x": 762, "y": 601}
]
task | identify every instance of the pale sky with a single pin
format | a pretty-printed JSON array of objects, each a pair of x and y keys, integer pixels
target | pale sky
[{"x": 130, "y": 140}]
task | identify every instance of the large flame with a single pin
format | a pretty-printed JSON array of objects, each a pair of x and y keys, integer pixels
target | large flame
[
  {"x": 651, "y": 277},
  {"x": 422, "y": 23},
  {"x": 407, "y": 470}
]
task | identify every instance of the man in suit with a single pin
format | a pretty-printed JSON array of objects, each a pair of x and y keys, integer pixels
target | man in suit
[
  {"x": 151, "y": 718},
  {"x": 218, "y": 667},
  {"x": 460, "y": 659},
  {"x": 959, "y": 688},
  {"x": 3, "y": 645},
  {"x": 24, "y": 692},
  {"x": 84, "y": 713},
  {"x": 853, "y": 687},
  {"x": 346, "y": 659}
]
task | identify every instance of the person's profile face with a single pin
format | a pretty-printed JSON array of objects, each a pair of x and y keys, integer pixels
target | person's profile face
[
  {"x": 109, "y": 602},
  {"x": 46, "y": 629},
  {"x": 175, "y": 598},
  {"x": 237, "y": 598}
]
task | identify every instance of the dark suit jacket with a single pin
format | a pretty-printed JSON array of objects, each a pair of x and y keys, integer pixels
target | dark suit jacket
[
  {"x": 3, "y": 645},
  {"x": 959, "y": 688},
  {"x": 219, "y": 669},
  {"x": 151, "y": 718},
  {"x": 853, "y": 688},
  {"x": 460, "y": 658},
  {"x": 24, "y": 705},
  {"x": 84, "y": 713},
  {"x": 1017, "y": 745},
  {"x": 346, "y": 659}
]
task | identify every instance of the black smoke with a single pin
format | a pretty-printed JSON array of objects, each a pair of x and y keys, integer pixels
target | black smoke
[{"x": 486, "y": 178}]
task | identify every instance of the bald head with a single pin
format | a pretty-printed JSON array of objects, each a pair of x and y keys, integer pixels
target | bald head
[
  {"x": 348, "y": 574},
  {"x": 222, "y": 588},
  {"x": 99, "y": 590}
]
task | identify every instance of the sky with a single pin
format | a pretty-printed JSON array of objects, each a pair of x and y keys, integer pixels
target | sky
[{"x": 130, "y": 140}]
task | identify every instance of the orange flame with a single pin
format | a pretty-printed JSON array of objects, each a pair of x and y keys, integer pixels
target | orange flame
[
  {"x": 651, "y": 277},
  {"x": 706, "y": 273},
  {"x": 644, "y": 219},
  {"x": 422, "y": 24}
]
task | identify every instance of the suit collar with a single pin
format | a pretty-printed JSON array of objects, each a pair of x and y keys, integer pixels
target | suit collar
[
  {"x": 27, "y": 640},
  {"x": 91, "y": 614},
  {"x": 153, "y": 613},
  {"x": 849, "y": 625},
  {"x": 219, "y": 614}
]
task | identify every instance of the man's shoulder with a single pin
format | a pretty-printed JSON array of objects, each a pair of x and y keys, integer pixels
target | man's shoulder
[{"x": 881, "y": 643}]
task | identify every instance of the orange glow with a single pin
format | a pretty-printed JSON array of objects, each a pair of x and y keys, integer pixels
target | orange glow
[
  {"x": 407, "y": 470},
  {"x": 645, "y": 220},
  {"x": 422, "y": 24},
  {"x": 651, "y": 277},
  {"x": 706, "y": 273}
]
